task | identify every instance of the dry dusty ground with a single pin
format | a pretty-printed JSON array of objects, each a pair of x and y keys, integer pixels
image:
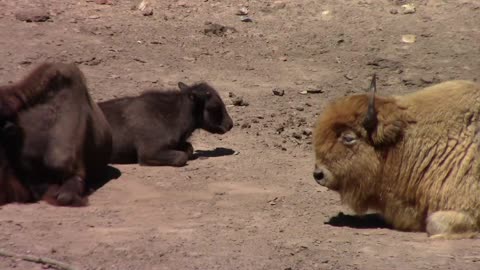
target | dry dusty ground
[{"x": 260, "y": 208}]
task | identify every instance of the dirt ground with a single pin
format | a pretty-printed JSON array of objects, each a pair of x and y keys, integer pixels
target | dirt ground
[{"x": 249, "y": 200}]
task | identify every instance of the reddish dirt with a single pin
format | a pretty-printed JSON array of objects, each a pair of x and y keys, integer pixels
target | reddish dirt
[{"x": 258, "y": 208}]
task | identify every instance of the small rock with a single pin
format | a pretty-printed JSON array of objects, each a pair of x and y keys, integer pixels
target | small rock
[
  {"x": 246, "y": 125},
  {"x": 300, "y": 109},
  {"x": 238, "y": 101},
  {"x": 409, "y": 38},
  {"x": 246, "y": 19},
  {"x": 242, "y": 11},
  {"x": 182, "y": 4},
  {"x": 94, "y": 17},
  {"x": 147, "y": 11},
  {"x": 103, "y": 2},
  {"x": 408, "y": 8},
  {"x": 217, "y": 29},
  {"x": 279, "y": 5},
  {"x": 283, "y": 58},
  {"x": 32, "y": 15},
  {"x": 278, "y": 92},
  {"x": 307, "y": 132},
  {"x": 315, "y": 91},
  {"x": 393, "y": 11},
  {"x": 296, "y": 135},
  {"x": 348, "y": 77},
  {"x": 427, "y": 79},
  {"x": 303, "y": 92}
]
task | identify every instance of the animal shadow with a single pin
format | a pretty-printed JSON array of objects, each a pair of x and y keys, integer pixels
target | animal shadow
[
  {"x": 368, "y": 221},
  {"x": 110, "y": 174},
  {"x": 217, "y": 152}
]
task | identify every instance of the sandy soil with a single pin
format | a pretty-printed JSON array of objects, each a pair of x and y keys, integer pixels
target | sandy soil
[{"x": 248, "y": 201}]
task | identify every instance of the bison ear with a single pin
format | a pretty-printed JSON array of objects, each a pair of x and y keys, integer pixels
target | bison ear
[
  {"x": 182, "y": 86},
  {"x": 371, "y": 121}
]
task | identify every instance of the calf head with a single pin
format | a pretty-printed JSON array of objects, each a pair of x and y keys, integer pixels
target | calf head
[
  {"x": 351, "y": 138},
  {"x": 210, "y": 110}
]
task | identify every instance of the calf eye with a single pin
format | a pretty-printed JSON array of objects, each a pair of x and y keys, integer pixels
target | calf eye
[{"x": 349, "y": 138}]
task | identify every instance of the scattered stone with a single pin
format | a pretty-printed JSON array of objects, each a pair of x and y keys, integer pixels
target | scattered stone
[
  {"x": 242, "y": 11},
  {"x": 300, "y": 109},
  {"x": 217, "y": 29},
  {"x": 182, "y": 4},
  {"x": 409, "y": 38},
  {"x": 33, "y": 15},
  {"x": 147, "y": 11},
  {"x": 237, "y": 100},
  {"x": 103, "y": 2},
  {"x": 307, "y": 132},
  {"x": 394, "y": 11},
  {"x": 296, "y": 135},
  {"x": 408, "y": 8},
  {"x": 314, "y": 91},
  {"x": 327, "y": 15},
  {"x": 428, "y": 79},
  {"x": 283, "y": 58},
  {"x": 279, "y": 5},
  {"x": 93, "y": 17},
  {"x": 278, "y": 92},
  {"x": 348, "y": 77},
  {"x": 245, "y": 125},
  {"x": 246, "y": 19}
]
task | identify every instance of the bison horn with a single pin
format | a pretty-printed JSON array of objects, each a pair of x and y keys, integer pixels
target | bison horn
[{"x": 370, "y": 122}]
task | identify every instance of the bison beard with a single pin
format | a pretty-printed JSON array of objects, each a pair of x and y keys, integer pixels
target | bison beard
[
  {"x": 415, "y": 159},
  {"x": 54, "y": 139}
]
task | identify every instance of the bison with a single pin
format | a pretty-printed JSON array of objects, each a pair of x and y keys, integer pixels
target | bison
[
  {"x": 153, "y": 128},
  {"x": 414, "y": 159},
  {"x": 54, "y": 140}
]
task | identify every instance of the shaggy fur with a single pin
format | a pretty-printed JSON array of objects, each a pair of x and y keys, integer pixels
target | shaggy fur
[
  {"x": 419, "y": 167},
  {"x": 54, "y": 139},
  {"x": 153, "y": 128}
]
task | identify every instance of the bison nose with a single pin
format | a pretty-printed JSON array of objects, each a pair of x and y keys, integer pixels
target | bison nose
[{"x": 318, "y": 175}]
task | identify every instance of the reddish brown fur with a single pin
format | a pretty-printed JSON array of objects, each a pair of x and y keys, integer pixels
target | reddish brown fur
[{"x": 54, "y": 137}]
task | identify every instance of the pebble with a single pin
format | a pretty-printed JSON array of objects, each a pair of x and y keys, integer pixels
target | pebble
[
  {"x": 246, "y": 19},
  {"x": 32, "y": 15},
  {"x": 278, "y": 92},
  {"x": 147, "y": 11},
  {"x": 408, "y": 9}
]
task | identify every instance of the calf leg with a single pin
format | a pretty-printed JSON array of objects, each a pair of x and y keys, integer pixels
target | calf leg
[
  {"x": 451, "y": 225},
  {"x": 163, "y": 158}
]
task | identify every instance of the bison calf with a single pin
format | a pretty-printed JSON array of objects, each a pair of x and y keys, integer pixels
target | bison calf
[
  {"x": 415, "y": 158},
  {"x": 54, "y": 138},
  {"x": 153, "y": 128}
]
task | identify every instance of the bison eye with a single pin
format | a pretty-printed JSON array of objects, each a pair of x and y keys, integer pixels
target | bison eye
[{"x": 349, "y": 138}]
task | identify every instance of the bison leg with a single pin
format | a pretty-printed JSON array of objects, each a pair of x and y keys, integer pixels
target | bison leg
[
  {"x": 163, "y": 158},
  {"x": 71, "y": 192},
  {"x": 451, "y": 225},
  {"x": 187, "y": 148}
]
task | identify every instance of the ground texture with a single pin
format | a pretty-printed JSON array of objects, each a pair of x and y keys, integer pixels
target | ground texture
[{"x": 248, "y": 201}]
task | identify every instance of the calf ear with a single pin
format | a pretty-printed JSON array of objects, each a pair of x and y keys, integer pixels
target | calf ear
[
  {"x": 370, "y": 122},
  {"x": 182, "y": 86}
]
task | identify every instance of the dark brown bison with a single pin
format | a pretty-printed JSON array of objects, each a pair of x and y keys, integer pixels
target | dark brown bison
[
  {"x": 415, "y": 159},
  {"x": 54, "y": 138},
  {"x": 153, "y": 128}
]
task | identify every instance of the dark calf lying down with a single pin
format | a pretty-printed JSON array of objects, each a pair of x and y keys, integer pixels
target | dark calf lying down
[
  {"x": 153, "y": 128},
  {"x": 53, "y": 138}
]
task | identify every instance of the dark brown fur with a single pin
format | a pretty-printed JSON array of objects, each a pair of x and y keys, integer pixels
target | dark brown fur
[
  {"x": 55, "y": 139},
  {"x": 153, "y": 128}
]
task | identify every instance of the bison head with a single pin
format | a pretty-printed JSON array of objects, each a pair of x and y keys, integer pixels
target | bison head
[
  {"x": 211, "y": 113},
  {"x": 351, "y": 138}
]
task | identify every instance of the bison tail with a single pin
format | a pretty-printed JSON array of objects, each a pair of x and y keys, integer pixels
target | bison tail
[{"x": 45, "y": 78}]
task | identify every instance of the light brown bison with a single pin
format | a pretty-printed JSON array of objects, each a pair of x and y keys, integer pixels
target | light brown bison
[
  {"x": 54, "y": 140},
  {"x": 415, "y": 159}
]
